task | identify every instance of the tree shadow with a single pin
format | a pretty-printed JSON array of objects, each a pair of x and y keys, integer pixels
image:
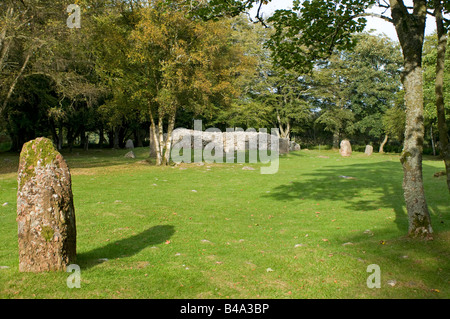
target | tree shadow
[
  {"x": 357, "y": 187},
  {"x": 368, "y": 187},
  {"x": 126, "y": 247},
  {"x": 97, "y": 158}
]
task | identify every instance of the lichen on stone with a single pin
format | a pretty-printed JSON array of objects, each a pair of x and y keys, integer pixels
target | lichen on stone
[
  {"x": 47, "y": 232},
  {"x": 39, "y": 152}
]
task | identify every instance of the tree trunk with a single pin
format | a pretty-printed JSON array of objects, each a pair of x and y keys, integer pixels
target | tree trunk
[
  {"x": 116, "y": 138},
  {"x": 14, "y": 83},
  {"x": 168, "y": 143},
  {"x": 381, "y": 151},
  {"x": 440, "y": 105},
  {"x": 101, "y": 140},
  {"x": 70, "y": 138},
  {"x": 432, "y": 140},
  {"x": 410, "y": 29},
  {"x": 111, "y": 138},
  {"x": 160, "y": 154},
  {"x": 336, "y": 137},
  {"x": 155, "y": 139}
]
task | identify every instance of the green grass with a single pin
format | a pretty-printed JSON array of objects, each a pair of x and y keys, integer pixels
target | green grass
[{"x": 214, "y": 231}]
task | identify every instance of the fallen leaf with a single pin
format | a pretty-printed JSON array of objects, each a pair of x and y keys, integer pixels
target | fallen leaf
[
  {"x": 167, "y": 242},
  {"x": 435, "y": 290}
]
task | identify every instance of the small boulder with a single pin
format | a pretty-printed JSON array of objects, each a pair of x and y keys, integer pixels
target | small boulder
[{"x": 130, "y": 155}]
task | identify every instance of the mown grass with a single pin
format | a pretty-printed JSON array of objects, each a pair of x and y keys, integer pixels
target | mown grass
[{"x": 217, "y": 231}]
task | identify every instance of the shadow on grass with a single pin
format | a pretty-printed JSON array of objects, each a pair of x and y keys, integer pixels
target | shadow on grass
[
  {"x": 359, "y": 187},
  {"x": 9, "y": 161},
  {"x": 126, "y": 247}
]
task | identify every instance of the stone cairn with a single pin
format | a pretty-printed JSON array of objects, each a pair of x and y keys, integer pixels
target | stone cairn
[{"x": 45, "y": 210}]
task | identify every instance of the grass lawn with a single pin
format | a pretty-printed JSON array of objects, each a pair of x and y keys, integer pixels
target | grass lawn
[{"x": 217, "y": 231}]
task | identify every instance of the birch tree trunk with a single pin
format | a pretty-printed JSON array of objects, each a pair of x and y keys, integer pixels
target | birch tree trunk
[
  {"x": 168, "y": 144},
  {"x": 381, "y": 150},
  {"x": 440, "y": 105},
  {"x": 153, "y": 137},
  {"x": 16, "y": 79},
  {"x": 160, "y": 150}
]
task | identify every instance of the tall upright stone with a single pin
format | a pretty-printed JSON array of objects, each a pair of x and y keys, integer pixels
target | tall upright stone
[
  {"x": 369, "y": 150},
  {"x": 45, "y": 210},
  {"x": 129, "y": 145},
  {"x": 346, "y": 148},
  {"x": 284, "y": 145}
]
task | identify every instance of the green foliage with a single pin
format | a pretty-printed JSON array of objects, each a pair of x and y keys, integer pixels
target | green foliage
[
  {"x": 429, "y": 66},
  {"x": 353, "y": 89}
]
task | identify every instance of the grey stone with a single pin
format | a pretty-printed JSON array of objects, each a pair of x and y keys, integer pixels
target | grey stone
[
  {"x": 129, "y": 145},
  {"x": 369, "y": 150},
  {"x": 284, "y": 145},
  {"x": 45, "y": 209},
  {"x": 130, "y": 155},
  {"x": 346, "y": 148},
  {"x": 293, "y": 147}
]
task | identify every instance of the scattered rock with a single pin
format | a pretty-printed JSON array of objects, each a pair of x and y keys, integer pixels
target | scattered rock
[
  {"x": 392, "y": 283},
  {"x": 269, "y": 270},
  {"x": 346, "y": 177},
  {"x": 368, "y": 232},
  {"x": 439, "y": 174},
  {"x": 130, "y": 155},
  {"x": 248, "y": 168},
  {"x": 347, "y": 244}
]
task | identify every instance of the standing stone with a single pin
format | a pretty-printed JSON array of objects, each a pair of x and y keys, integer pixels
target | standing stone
[
  {"x": 284, "y": 145},
  {"x": 369, "y": 150},
  {"x": 346, "y": 148},
  {"x": 129, "y": 145},
  {"x": 294, "y": 147},
  {"x": 45, "y": 210}
]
